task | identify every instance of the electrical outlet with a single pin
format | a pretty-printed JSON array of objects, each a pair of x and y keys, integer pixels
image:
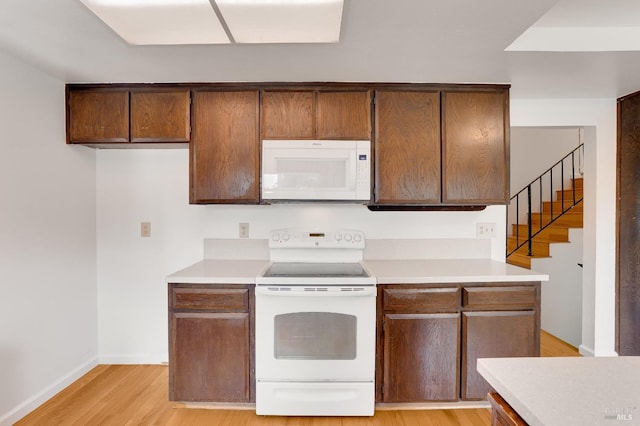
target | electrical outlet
[
  {"x": 486, "y": 230},
  {"x": 243, "y": 230},
  {"x": 145, "y": 229}
]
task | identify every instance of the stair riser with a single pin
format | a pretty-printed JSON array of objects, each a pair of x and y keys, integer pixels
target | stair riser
[
  {"x": 568, "y": 219},
  {"x": 569, "y": 195},
  {"x": 557, "y": 207},
  {"x": 519, "y": 260},
  {"x": 535, "y": 251},
  {"x": 551, "y": 233},
  {"x": 578, "y": 183},
  {"x": 538, "y": 248}
]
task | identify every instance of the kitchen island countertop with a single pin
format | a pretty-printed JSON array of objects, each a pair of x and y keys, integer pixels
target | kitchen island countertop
[
  {"x": 234, "y": 271},
  {"x": 568, "y": 391}
]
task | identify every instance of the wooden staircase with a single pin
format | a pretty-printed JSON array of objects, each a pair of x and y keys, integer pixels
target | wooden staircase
[{"x": 558, "y": 232}]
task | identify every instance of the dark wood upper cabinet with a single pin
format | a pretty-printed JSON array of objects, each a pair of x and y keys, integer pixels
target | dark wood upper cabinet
[
  {"x": 316, "y": 114},
  {"x": 224, "y": 150},
  {"x": 475, "y": 147},
  {"x": 95, "y": 116},
  {"x": 407, "y": 147},
  {"x": 433, "y": 145},
  {"x": 118, "y": 117},
  {"x": 160, "y": 116},
  {"x": 288, "y": 114},
  {"x": 344, "y": 115},
  {"x": 447, "y": 148}
]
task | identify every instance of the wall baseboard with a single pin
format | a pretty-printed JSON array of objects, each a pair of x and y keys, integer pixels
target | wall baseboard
[
  {"x": 47, "y": 393},
  {"x": 585, "y": 351},
  {"x": 160, "y": 358}
]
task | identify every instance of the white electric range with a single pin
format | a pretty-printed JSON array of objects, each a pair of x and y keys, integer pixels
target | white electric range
[{"x": 315, "y": 326}]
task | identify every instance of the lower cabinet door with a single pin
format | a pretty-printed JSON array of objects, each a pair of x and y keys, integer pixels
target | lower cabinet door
[
  {"x": 209, "y": 357},
  {"x": 421, "y": 361},
  {"x": 493, "y": 335}
]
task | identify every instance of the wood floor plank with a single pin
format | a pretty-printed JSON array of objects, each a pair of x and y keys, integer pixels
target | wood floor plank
[
  {"x": 550, "y": 345},
  {"x": 138, "y": 395}
]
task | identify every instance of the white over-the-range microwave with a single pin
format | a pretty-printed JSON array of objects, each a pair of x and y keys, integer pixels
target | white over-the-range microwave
[{"x": 331, "y": 170}]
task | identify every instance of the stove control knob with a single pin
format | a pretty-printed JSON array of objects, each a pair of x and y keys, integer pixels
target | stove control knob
[
  {"x": 347, "y": 237},
  {"x": 285, "y": 237},
  {"x": 338, "y": 236},
  {"x": 357, "y": 238},
  {"x": 275, "y": 237}
]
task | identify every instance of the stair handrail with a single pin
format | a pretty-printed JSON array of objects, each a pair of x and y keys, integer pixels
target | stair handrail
[{"x": 574, "y": 201}]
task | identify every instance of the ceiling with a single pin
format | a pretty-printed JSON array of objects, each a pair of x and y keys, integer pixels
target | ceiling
[{"x": 434, "y": 41}]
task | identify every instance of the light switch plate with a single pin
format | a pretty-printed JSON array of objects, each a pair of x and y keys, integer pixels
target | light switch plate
[
  {"x": 486, "y": 230},
  {"x": 145, "y": 229},
  {"x": 243, "y": 230}
]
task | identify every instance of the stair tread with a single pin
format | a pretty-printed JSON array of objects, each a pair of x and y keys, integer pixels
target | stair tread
[
  {"x": 536, "y": 239},
  {"x": 553, "y": 226},
  {"x": 570, "y": 212}
]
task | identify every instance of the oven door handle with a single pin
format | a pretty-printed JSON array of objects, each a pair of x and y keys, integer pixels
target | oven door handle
[{"x": 303, "y": 291}]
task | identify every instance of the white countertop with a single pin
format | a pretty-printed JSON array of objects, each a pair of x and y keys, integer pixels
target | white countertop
[
  {"x": 568, "y": 391},
  {"x": 223, "y": 271},
  {"x": 220, "y": 271},
  {"x": 448, "y": 271}
]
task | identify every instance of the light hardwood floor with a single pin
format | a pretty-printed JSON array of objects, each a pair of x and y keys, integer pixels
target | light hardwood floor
[
  {"x": 550, "y": 345},
  {"x": 138, "y": 395}
]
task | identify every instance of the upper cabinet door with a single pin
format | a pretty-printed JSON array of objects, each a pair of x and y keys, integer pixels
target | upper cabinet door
[
  {"x": 224, "y": 150},
  {"x": 95, "y": 116},
  {"x": 344, "y": 115},
  {"x": 475, "y": 147},
  {"x": 407, "y": 147},
  {"x": 288, "y": 114},
  {"x": 160, "y": 116},
  {"x": 313, "y": 114}
]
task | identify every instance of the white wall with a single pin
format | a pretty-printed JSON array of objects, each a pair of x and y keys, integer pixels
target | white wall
[
  {"x": 48, "y": 247},
  {"x": 562, "y": 294},
  {"x": 48, "y": 327},
  {"x": 535, "y": 149},
  {"x": 598, "y": 118},
  {"x": 152, "y": 185}
]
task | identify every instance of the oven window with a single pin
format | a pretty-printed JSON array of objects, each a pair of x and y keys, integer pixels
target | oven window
[{"x": 315, "y": 335}]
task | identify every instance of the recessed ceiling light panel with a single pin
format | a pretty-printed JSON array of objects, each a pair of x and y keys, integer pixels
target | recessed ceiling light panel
[
  {"x": 283, "y": 21},
  {"x": 161, "y": 21}
]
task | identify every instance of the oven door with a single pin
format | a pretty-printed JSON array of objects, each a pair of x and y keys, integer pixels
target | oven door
[{"x": 315, "y": 334}]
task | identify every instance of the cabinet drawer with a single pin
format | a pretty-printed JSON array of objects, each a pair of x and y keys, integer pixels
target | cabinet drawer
[
  {"x": 496, "y": 297},
  {"x": 222, "y": 299},
  {"x": 420, "y": 299}
]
